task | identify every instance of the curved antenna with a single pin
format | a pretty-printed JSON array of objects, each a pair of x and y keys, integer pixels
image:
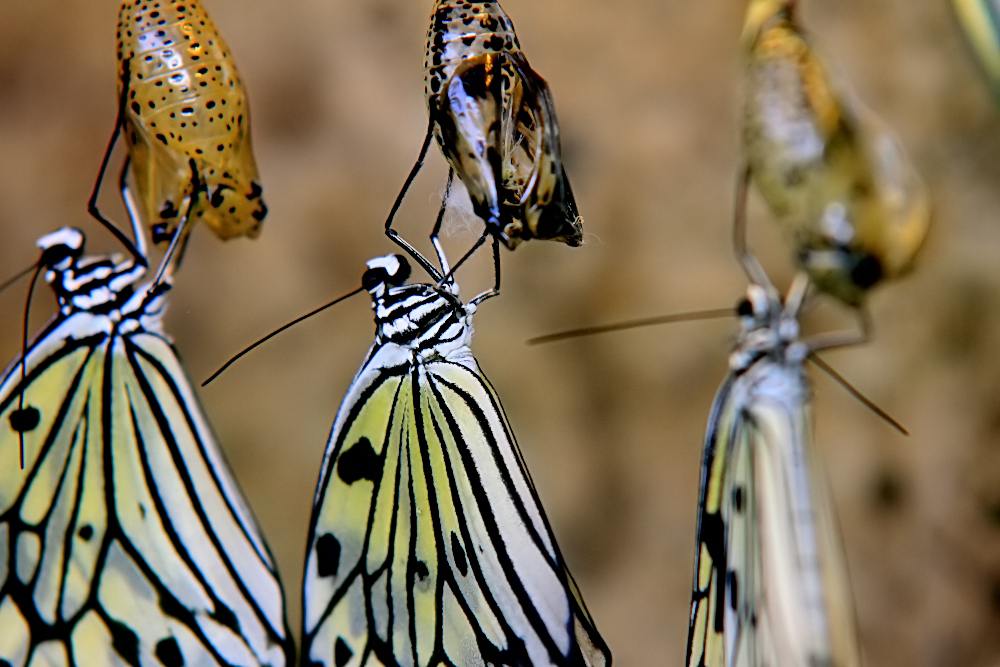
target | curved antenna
[
  {"x": 856, "y": 393},
  {"x": 242, "y": 353},
  {"x": 20, "y": 274},
  {"x": 92, "y": 207},
  {"x": 689, "y": 316},
  {"x": 24, "y": 419}
]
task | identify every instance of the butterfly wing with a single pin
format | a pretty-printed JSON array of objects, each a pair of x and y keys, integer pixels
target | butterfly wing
[
  {"x": 770, "y": 584},
  {"x": 125, "y": 533},
  {"x": 428, "y": 544}
]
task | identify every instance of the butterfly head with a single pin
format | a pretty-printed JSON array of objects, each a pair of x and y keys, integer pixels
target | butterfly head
[
  {"x": 61, "y": 248},
  {"x": 768, "y": 328},
  {"x": 385, "y": 272}
]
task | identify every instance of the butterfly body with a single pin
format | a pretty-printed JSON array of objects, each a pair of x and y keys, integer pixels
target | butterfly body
[
  {"x": 124, "y": 540},
  {"x": 494, "y": 119},
  {"x": 770, "y": 583},
  {"x": 837, "y": 181},
  {"x": 428, "y": 544},
  {"x": 186, "y": 120}
]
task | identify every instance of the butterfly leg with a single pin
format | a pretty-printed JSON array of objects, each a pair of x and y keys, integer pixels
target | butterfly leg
[
  {"x": 489, "y": 294},
  {"x": 174, "y": 255},
  {"x": 392, "y": 233},
  {"x": 436, "y": 232},
  {"x": 755, "y": 272},
  {"x": 136, "y": 248},
  {"x": 130, "y": 207}
]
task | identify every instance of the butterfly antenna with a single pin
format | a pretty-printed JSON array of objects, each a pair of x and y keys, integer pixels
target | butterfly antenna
[
  {"x": 856, "y": 393},
  {"x": 691, "y": 316},
  {"x": 21, "y": 274},
  {"x": 258, "y": 343},
  {"x": 24, "y": 419}
]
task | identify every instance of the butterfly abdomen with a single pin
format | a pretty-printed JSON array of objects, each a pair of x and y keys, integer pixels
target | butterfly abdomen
[
  {"x": 186, "y": 118},
  {"x": 463, "y": 30}
]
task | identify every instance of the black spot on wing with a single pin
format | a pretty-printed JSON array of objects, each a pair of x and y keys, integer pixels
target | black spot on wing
[
  {"x": 327, "y": 555},
  {"x": 733, "y": 585},
  {"x": 738, "y": 498},
  {"x": 86, "y": 532},
  {"x": 420, "y": 569},
  {"x": 125, "y": 642},
  {"x": 25, "y": 419},
  {"x": 461, "y": 562},
  {"x": 168, "y": 652},
  {"x": 225, "y": 616},
  {"x": 342, "y": 653},
  {"x": 360, "y": 462}
]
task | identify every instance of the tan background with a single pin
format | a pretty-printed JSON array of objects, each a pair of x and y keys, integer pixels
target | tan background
[{"x": 611, "y": 426}]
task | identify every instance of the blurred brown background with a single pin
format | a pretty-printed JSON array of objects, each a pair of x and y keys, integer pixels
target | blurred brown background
[{"x": 647, "y": 93}]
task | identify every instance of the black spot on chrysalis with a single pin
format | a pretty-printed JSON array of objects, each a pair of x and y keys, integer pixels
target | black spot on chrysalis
[{"x": 327, "y": 555}]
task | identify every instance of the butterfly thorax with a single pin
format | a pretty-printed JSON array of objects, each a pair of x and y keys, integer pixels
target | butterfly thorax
[
  {"x": 463, "y": 30},
  {"x": 428, "y": 321},
  {"x": 769, "y": 330},
  {"x": 102, "y": 286}
]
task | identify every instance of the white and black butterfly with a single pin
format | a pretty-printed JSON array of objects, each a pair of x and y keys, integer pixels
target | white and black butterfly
[
  {"x": 770, "y": 582},
  {"x": 124, "y": 540},
  {"x": 428, "y": 544}
]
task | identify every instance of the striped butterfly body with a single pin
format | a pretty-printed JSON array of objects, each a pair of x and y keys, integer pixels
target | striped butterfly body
[
  {"x": 980, "y": 21},
  {"x": 428, "y": 544},
  {"x": 837, "y": 181},
  {"x": 770, "y": 581},
  {"x": 124, "y": 540},
  {"x": 493, "y": 117},
  {"x": 186, "y": 120}
]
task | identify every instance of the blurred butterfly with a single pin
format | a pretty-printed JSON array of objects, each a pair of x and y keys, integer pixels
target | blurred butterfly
[
  {"x": 980, "y": 22},
  {"x": 428, "y": 544},
  {"x": 184, "y": 112},
  {"x": 838, "y": 182},
  {"x": 770, "y": 582},
  {"x": 124, "y": 539},
  {"x": 494, "y": 119}
]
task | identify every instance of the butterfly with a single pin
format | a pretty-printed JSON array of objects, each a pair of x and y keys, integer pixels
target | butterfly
[
  {"x": 494, "y": 119},
  {"x": 428, "y": 543},
  {"x": 184, "y": 112},
  {"x": 124, "y": 539},
  {"x": 770, "y": 581},
  {"x": 980, "y": 22},
  {"x": 836, "y": 180}
]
